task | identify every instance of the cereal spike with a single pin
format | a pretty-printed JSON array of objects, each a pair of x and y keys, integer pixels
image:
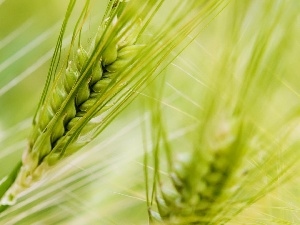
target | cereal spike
[
  {"x": 197, "y": 178},
  {"x": 73, "y": 94}
]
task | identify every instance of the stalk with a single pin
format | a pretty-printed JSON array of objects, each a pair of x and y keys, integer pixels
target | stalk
[{"x": 7, "y": 183}]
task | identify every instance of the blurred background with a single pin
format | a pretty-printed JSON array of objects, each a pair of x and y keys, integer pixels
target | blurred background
[{"x": 104, "y": 183}]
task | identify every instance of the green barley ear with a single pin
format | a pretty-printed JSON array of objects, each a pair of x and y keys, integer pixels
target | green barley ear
[
  {"x": 235, "y": 82},
  {"x": 240, "y": 145},
  {"x": 196, "y": 175},
  {"x": 95, "y": 84},
  {"x": 70, "y": 98}
]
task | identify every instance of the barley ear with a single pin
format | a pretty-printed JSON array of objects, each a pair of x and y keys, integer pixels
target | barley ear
[{"x": 71, "y": 94}]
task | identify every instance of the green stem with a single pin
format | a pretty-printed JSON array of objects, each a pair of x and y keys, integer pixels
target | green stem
[{"x": 7, "y": 184}]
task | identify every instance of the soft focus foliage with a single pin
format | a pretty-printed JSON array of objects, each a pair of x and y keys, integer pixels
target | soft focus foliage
[{"x": 236, "y": 79}]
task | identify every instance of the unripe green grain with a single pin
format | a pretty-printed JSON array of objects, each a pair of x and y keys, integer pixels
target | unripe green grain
[
  {"x": 88, "y": 104},
  {"x": 70, "y": 112},
  {"x": 82, "y": 57},
  {"x": 96, "y": 73},
  {"x": 197, "y": 176},
  {"x": 83, "y": 93},
  {"x": 101, "y": 85},
  {"x": 110, "y": 54},
  {"x": 70, "y": 78},
  {"x": 66, "y": 105},
  {"x": 58, "y": 130},
  {"x": 73, "y": 122}
]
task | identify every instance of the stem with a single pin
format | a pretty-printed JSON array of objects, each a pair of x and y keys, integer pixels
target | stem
[{"x": 7, "y": 184}]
